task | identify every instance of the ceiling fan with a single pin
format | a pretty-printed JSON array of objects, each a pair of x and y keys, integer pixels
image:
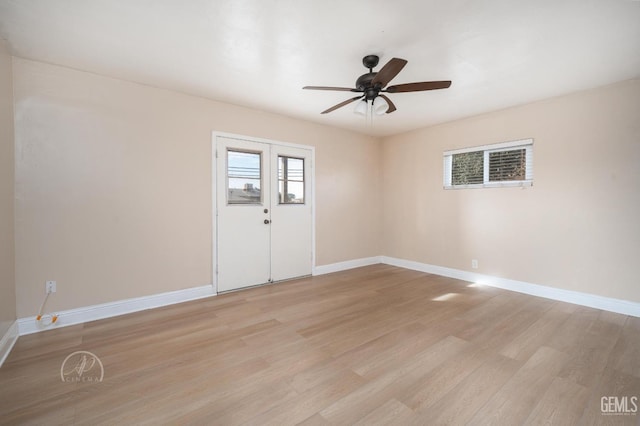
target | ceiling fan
[{"x": 372, "y": 86}]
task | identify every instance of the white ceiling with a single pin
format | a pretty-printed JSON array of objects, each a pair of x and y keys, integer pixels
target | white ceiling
[{"x": 259, "y": 53}]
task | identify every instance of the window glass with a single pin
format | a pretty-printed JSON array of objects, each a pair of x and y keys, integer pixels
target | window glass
[
  {"x": 290, "y": 180},
  {"x": 467, "y": 168},
  {"x": 501, "y": 164},
  {"x": 507, "y": 165},
  {"x": 244, "y": 177}
]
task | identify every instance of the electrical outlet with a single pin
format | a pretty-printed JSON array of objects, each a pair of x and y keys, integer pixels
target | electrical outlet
[
  {"x": 474, "y": 263},
  {"x": 50, "y": 287}
]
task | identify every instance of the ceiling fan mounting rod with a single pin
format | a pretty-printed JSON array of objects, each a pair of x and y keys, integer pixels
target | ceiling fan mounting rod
[{"x": 364, "y": 82}]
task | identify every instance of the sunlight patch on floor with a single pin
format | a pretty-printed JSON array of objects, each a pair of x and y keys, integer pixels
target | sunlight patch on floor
[
  {"x": 445, "y": 297},
  {"x": 476, "y": 285}
]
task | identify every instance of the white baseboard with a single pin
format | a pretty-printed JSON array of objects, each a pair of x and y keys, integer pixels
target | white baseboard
[
  {"x": 349, "y": 264},
  {"x": 577, "y": 298},
  {"x": 106, "y": 310},
  {"x": 91, "y": 313},
  {"x": 8, "y": 340}
]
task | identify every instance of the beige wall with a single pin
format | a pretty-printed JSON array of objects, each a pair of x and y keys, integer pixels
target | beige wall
[
  {"x": 577, "y": 228},
  {"x": 114, "y": 186},
  {"x": 113, "y": 193},
  {"x": 7, "y": 282}
]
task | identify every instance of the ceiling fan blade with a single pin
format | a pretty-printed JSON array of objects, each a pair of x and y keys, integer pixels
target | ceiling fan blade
[
  {"x": 341, "y": 104},
  {"x": 418, "y": 87},
  {"x": 392, "y": 107},
  {"x": 388, "y": 72},
  {"x": 341, "y": 89}
]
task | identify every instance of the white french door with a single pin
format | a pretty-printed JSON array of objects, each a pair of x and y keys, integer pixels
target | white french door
[{"x": 264, "y": 220}]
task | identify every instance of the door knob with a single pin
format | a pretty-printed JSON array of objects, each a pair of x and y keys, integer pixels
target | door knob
[{"x": 267, "y": 221}]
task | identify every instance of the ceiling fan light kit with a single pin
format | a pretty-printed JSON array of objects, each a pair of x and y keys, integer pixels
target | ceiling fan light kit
[
  {"x": 372, "y": 85},
  {"x": 361, "y": 107},
  {"x": 378, "y": 107}
]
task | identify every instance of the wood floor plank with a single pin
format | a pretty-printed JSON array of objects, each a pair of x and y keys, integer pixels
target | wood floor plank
[
  {"x": 372, "y": 345},
  {"x": 563, "y": 403},
  {"x": 368, "y": 352},
  {"x": 514, "y": 321},
  {"x": 320, "y": 373},
  {"x": 242, "y": 410},
  {"x": 569, "y": 334},
  {"x": 315, "y": 420},
  {"x": 438, "y": 382},
  {"x": 591, "y": 353},
  {"x": 311, "y": 401},
  {"x": 394, "y": 357},
  {"x": 394, "y": 382},
  {"x": 391, "y": 412},
  {"x": 465, "y": 399},
  {"x": 515, "y": 401},
  {"x": 532, "y": 338},
  {"x": 626, "y": 352}
]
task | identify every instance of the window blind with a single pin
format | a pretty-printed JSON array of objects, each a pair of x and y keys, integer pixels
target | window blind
[{"x": 502, "y": 164}]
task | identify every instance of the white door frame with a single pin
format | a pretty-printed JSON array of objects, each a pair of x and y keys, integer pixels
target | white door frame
[{"x": 214, "y": 193}]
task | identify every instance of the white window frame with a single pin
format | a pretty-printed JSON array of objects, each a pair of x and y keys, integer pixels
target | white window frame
[{"x": 526, "y": 144}]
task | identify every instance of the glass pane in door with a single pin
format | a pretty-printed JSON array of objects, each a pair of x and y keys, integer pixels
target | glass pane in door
[
  {"x": 244, "y": 177},
  {"x": 290, "y": 180}
]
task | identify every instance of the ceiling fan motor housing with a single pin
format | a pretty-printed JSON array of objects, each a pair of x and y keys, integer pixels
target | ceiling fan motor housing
[{"x": 363, "y": 83}]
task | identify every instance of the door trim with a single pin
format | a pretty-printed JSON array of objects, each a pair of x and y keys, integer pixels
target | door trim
[{"x": 214, "y": 194}]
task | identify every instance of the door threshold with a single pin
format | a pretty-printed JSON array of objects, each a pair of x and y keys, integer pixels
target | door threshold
[{"x": 264, "y": 284}]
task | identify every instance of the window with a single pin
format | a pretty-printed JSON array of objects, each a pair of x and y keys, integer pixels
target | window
[
  {"x": 502, "y": 164},
  {"x": 244, "y": 177},
  {"x": 290, "y": 180}
]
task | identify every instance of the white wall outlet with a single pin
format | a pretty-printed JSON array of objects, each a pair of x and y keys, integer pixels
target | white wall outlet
[
  {"x": 50, "y": 287},
  {"x": 474, "y": 263}
]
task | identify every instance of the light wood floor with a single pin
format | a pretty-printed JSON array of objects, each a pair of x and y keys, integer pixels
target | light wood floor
[{"x": 374, "y": 345}]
